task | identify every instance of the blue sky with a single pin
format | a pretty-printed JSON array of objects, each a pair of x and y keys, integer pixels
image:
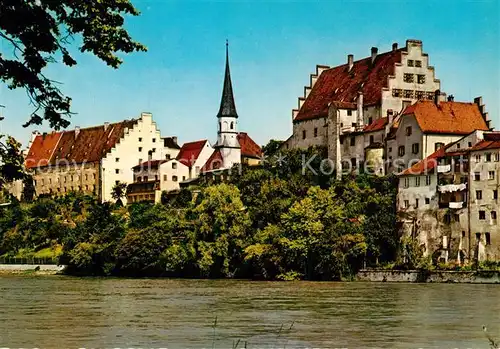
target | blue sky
[{"x": 274, "y": 46}]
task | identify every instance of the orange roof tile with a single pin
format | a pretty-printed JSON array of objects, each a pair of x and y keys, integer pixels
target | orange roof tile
[
  {"x": 340, "y": 85},
  {"x": 377, "y": 125},
  {"x": 85, "y": 145},
  {"x": 447, "y": 117},
  {"x": 214, "y": 162},
  {"x": 248, "y": 147},
  {"x": 190, "y": 151},
  {"x": 426, "y": 165}
]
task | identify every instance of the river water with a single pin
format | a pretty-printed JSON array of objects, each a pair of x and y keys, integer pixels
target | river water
[{"x": 65, "y": 312}]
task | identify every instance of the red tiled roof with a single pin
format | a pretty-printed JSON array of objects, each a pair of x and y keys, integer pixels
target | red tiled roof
[
  {"x": 426, "y": 165},
  {"x": 214, "y": 162},
  {"x": 248, "y": 147},
  {"x": 190, "y": 151},
  {"x": 486, "y": 144},
  {"x": 377, "y": 125},
  {"x": 85, "y": 145},
  {"x": 41, "y": 149},
  {"x": 340, "y": 85},
  {"x": 151, "y": 164},
  {"x": 447, "y": 117}
]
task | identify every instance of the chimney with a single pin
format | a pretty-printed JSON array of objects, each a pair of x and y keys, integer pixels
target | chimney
[
  {"x": 437, "y": 95},
  {"x": 106, "y": 125},
  {"x": 390, "y": 116},
  {"x": 77, "y": 131},
  {"x": 174, "y": 139},
  {"x": 360, "y": 110},
  {"x": 395, "y": 46},
  {"x": 451, "y": 98},
  {"x": 350, "y": 61},
  {"x": 374, "y": 53}
]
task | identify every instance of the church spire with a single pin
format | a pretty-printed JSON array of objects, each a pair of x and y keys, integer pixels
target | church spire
[{"x": 227, "y": 105}]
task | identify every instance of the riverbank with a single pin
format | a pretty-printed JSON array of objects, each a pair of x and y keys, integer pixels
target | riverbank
[
  {"x": 428, "y": 276},
  {"x": 38, "y": 269}
]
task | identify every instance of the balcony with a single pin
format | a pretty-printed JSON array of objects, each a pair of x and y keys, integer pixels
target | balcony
[
  {"x": 443, "y": 168},
  {"x": 450, "y": 188},
  {"x": 347, "y": 129},
  {"x": 456, "y": 205}
]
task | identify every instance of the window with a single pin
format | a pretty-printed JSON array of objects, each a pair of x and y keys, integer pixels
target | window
[
  {"x": 407, "y": 203},
  {"x": 154, "y": 140},
  {"x": 478, "y": 158},
  {"x": 417, "y": 181},
  {"x": 427, "y": 201},
  {"x": 397, "y": 92},
  {"x": 470, "y": 144},
  {"x": 477, "y": 176},
  {"x": 418, "y": 64},
  {"x": 447, "y": 218},
  {"x": 458, "y": 145},
  {"x": 353, "y": 141},
  {"x": 353, "y": 162},
  {"x": 407, "y": 94},
  {"x": 401, "y": 150},
  {"x": 478, "y": 237},
  {"x": 438, "y": 145},
  {"x": 140, "y": 149},
  {"x": 167, "y": 156},
  {"x": 117, "y": 159},
  {"x": 146, "y": 178},
  {"x": 416, "y": 203},
  {"x": 420, "y": 95},
  {"x": 93, "y": 175},
  {"x": 488, "y": 157},
  {"x": 421, "y": 78},
  {"x": 174, "y": 165},
  {"x": 482, "y": 215},
  {"x": 495, "y": 194},
  {"x": 408, "y": 77},
  {"x": 371, "y": 139},
  {"x": 415, "y": 148},
  {"x": 165, "y": 177},
  {"x": 349, "y": 113},
  {"x": 139, "y": 179},
  {"x": 463, "y": 233},
  {"x": 497, "y": 157},
  {"x": 456, "y": 217},
  {"x": 153, "y": 150},
  {"x": 487, "y": 237},
  {"x": 117, "y": 182},
  {"x": 410, "y": 62},
  {"x": 479, "y": 194},
  {"x": 174, "y": 178},
  {"x": 408, "y": 131},
  {"x": 140, "y": 139},
  {"x": 117, "y": 171},
  {"x": 232, "y": 125},
  {"x": 86, "y": 177},
  {"x": 427, "y": 180},
  {"x": 304, "y": 134},
  {"x": 390, "y": 149},
  {"x": 491, "y": 174},
  {"x": 407, "y": 182},
  {"x": 315, "y": 132},
  {"x": 494, "y": 215}
]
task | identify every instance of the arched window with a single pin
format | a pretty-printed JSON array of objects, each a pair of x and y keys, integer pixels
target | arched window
[{"x": 232, "y": 125}]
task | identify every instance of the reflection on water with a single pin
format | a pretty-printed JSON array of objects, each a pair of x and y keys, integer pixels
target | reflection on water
[{"x": 63, "y": 312}]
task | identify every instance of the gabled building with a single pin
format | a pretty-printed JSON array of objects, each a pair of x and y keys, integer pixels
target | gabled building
[
  {"x": 94, "y": 159},
  {"x": 449, "y": 201}
]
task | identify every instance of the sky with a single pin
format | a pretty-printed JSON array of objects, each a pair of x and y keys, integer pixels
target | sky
[{"x": 273, "y": 47}]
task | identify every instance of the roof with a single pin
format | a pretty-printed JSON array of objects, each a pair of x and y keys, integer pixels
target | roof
[
  {"x": 426, "y": 165},
  {"x": 227, "y": 105},
  {"x": 151, "y": 164},
  {"x": 189, "y": 152},
  {"x": 41, "y": 149},
  {"x": 171, "y": 142},
  {"x": 248, "y": 147},
  {"x": 340, "y": 85},
  {"x": 447, "y": 117},
  {"x": 214, "y": 162},
  {"x": 377, "y": 125},
  {"x": 77, "y": 146},
  {"x": 490, "y": 141}
]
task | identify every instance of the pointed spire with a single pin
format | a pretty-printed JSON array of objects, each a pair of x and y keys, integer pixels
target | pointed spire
[{"x": 227, "y": 105}]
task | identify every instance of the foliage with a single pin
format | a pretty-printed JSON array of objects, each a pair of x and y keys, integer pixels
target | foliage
[
  {"x": 272, "y": 147},
  {"x": 11, "y": 167},
  {"x": 268, "y": 222},
  {"x": 43, "y": 32},
  {"x": 118, "y": 192}
]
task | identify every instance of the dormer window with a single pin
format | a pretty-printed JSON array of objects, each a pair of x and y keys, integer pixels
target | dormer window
[
  {"x": 410, "y": 62},
  {"x": 418, "y": 64}
]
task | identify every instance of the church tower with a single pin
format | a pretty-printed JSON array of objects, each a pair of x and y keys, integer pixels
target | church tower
[{"x": 227, "y": 134}]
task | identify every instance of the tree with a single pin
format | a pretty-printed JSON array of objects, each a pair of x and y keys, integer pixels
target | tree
[
  {"x": 11, "y": 167},
  {"x": 42, "y": 32},
  {"x": 118, "y": 192},
  {"x": 272, "y": 147}
]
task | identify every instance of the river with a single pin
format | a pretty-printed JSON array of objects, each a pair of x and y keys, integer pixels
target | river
[{"x": 66, "y": 312}]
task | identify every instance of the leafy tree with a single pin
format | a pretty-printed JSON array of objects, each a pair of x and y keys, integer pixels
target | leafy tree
[
  {"x": 272, "y": 147},
  {"x": 42, "y": 32},
  {"x": 11, "y": 167},
  {"x": 118, "y": 192}
]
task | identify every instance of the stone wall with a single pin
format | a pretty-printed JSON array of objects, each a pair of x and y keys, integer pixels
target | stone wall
[{"x": 473, "y": 277}]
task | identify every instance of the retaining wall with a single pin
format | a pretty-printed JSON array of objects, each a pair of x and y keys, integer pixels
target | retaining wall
[{"x": 475, "y": 277}]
